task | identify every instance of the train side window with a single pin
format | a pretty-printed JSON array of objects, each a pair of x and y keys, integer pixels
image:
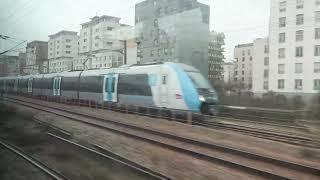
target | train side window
[
  {"x": 106, "y": 85},
  {"x": 164, "y": 79},
  {"x": 113, "y": 83}
]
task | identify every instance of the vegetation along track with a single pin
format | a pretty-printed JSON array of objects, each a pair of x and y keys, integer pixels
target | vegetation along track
[
  {"x": 44, "y": 168},
  {"x": 248, "y": 162},
  {"x": 263, "y": 133}
]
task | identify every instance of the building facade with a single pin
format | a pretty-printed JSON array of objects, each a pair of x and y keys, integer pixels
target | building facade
[
  {"x": 260, "y": 66},
  {"x": 36, "y": 54},
  {"x": 228, "y": 72},
  {"x": 243, "y": 55},
  {"x": 62, "y": 48},
  {"x": 174, "y": 31},
  {"x": 295, "y": 46},
  {"x": 102, "y": 43},
  {"x": 9, "y": 65},
  {"x": 215, "y": 56}
]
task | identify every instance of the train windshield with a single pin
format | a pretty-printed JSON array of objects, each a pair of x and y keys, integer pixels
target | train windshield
[{"x": 199, "y": 80}]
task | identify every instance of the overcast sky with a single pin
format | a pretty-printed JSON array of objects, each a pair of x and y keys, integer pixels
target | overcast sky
[{"x": 241, "y": 20}]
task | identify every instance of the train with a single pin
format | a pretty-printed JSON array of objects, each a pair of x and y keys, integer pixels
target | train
[{"x": 168, "y": 85}]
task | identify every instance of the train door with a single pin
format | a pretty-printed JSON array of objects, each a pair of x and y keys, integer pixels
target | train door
[
  {"x": 57, "y": 86},
  {"x": 164, "y": 90},
  {"x": 30, "y": 84},
  {"x": 110, "y": 87},
  {"x": 16, "y": 83}
]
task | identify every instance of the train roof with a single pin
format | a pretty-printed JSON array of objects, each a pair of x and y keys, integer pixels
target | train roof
[{"x": 93, "y": 72}]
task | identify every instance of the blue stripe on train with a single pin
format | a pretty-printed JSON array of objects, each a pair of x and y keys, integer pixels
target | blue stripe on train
[{"x": 189, "y": 92}]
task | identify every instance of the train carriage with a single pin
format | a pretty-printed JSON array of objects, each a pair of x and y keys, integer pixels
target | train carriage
[{"x": 163, "y": 85}]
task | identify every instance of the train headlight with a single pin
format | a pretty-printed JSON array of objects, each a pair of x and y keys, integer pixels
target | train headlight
[{"x": 202, "y": 99}]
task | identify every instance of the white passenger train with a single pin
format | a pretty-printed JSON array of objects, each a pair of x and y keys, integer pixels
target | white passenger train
[{"x": 164, "y": 85}]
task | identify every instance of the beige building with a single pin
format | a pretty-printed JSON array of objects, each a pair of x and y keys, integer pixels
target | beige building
[
  {"x": 243, "y": 54},
  {"x": 62, "y": 48},
  {"x": 102, "y": 43},
  {"x": 260, "y": 66},
  {"x": 228, "y": 72}
]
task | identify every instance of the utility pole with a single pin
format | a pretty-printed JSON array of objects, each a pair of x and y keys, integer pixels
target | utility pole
[{"x": 125, "y": 51}]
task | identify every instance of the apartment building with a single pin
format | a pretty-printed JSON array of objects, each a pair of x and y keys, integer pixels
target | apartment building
[
  {"x": 243, "y": 54},
  {"x": 100, "y": 45},
  {"x": 36, "y": 54},
  {"x": 215, "y": 56},
  {"x": 260, "y": 66},
  {"x": 294, "y": 38},
  {"x": 62, "y": 48},
  {"x": 173, "y": 31},
  {"x": 9, "y": 65}
]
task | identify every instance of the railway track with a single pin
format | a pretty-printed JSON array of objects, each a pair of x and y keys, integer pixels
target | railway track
[
  {"x": 264, "y": 134},
  {"x": 53, "y": 174},
  {"x": 260, "y": 165}
]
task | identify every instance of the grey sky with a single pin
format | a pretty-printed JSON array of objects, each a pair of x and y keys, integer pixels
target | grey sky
[{"x": 241, "y": 20}]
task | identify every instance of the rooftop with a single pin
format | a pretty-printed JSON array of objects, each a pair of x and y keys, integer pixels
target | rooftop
[
  {"x": 63, "y": 32},
  {"x": 244, "y": 45},
  {"x": 99, "y": 18}
]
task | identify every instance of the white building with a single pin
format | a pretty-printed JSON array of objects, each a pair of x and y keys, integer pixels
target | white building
[
  {"x": 228, "y": 72},
  {"x": 294, "y": 46},
  {"x": 243, "y": 55},
  {"x": 260, "y": 66},
  {"x": 62, "y": 48},
  {"x": 101, "y": 43}
]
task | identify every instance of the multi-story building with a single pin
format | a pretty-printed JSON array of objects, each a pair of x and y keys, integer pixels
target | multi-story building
[
  {"x": 228, "y": 72},
  {"x": 22, "y": 62},
  {"x": 62, "y": 48},
  {"x": 175, "y": 31},
  {"x": 243, "y": 54},
  {"x": 294, "y": 47},
  {"x": 260, "y": 66},
  {"x": 100, "y": 45},
  {"x": 36, "y": 54},
  {"x": 9, "y": 65},
  {"x": 215, "y": 56}
]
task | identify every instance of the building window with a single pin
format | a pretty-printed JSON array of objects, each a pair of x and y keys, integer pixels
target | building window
[
  {"x": 282, "y": 6},
  {"x": 317, "y": 3},
  {"x": 282, "y": 53},
  {"x": 299, "y": 35},
  {"x": 109, "y": 28},
  {"x": 96, "y": 44},
  {"x": 68, "y": 46},
  {"x": 84, "y": 40},
  {"x": 165, "y": 51},
  {"x": 266, "y": 61},
  {"x": 298, "y": 84},
  {"x": 282, "y": 37},
  {"x": 97, "y": 30},
  {"x": 243, "y": 66},
  {"x": 109, "y": 43},
  {"x": 266, "y": 49},
  {"x": 317, "y": 33},
  {"x": 316, "y": 85},
  {"x": 243, "y": 79},
  {"x": 68, "y": 52},
  {"x": 68, "y": 40},
  {"x": 84, "y": 47},
  {"x": 281, "y": 69},
  {"x": 58, "y": 47},
  {"x": 300, "y": 4},
  {"x": 317, "y": 67},
  {"x": 317, "y": 16},
  {"x": 57, "y": 52},
  {"x": 282, "y": 22},
  {"x": 152, "y": 53},
  {"x": 159, "y": 52},
  {"x": 317, "y": 50},
  {"x": 243, "y": 59},
  {"x": 249, "y": 52},
  {"x": 299, "y": 19},
  {"x": 250, "y": 58},
  {"x": 299, "y": 51},
  {"x": 243, "y": 53},
  {"x": 97, "y": 37},
  {"x": 298, "y": 68},
  {"x": 85, "y": 33},
  {"x": 265, "y": 85},
  {"x": 280, "y": 83},
  {"x": 266, "y": 73}
]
